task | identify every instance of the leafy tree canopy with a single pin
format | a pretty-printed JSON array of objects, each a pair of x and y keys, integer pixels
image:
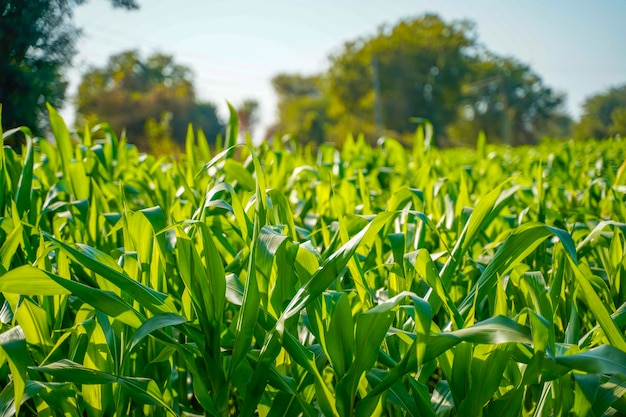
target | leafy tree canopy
[
  {"x": 37, "y": 42},
  {"x": 131, "y": 93},
  {"x": 302, "y": 107},
  {"x": 604, "y": 115},
  {"x": 417, "y": 66},
  {"x": 420, "y": 68},
  {"x": 248, "y": 113},
  {"x": 507, "y": 100}
]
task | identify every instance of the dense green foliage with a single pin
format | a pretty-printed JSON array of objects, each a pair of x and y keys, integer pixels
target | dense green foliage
[
  {"x": 603, "y": 115},
  {"x": 248, "y": 114},
  {"x": 507, "y": 100},
  {"x": 152, "y": 99},
  {"x": 422, "y": 67},
  {"x": 37, "y": 43},
  {"x": 283, "y": 280},
  {"x": 302, "y": 108},
  {"x": 419, "y": 67}
]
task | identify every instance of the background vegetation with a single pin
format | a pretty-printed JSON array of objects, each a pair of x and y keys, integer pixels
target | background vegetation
[
  {"x": 604, "y": 115},
  {"x": 420, "y": 68},
  {"x": 37, "y": 44},
  {"x": 152, "y": 100}
]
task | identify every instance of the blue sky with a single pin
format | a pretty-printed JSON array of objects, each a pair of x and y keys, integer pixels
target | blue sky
[{"x": 235, "y": 46}]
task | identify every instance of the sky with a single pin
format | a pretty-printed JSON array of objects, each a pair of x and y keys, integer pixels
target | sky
[{"x": 235, "y": 47}]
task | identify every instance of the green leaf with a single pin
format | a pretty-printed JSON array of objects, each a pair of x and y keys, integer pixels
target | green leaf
[
  {"x": 609, "y": 394},
  {"x": 102, "y": 264},
  {"x": 28, "y": 280},
  {"x": 249, "y": 312},
  {"x": 142, "y": 389},
  {"x": 8, "y": 407},
  {"x": 232, "y": 129},
  {"x": 203, "y": 145},
  {"x": 13, "y": 346},
  {"x": 98, "y": 397},
  {"x": 145, "y": 391},
  {"x": 477, "y": 220},
  {"x": 190, "y": 152},
  {"x": 371, "y": 328},
  {"x": 425, "y": 267},
  {"x": 331, "y": 268},
  {"x": 486, "y": 374},
  {"x": 397, "y": 395},
  {"x": 50, "y": 284},
  {"x": 35, "y": 324},
  {"x": 10, "y": 246},
  {"x": 25, "y": 185},
  {"x": 155, "y": 323},
  {"x": 598, "y": 309},
  {"x": 340, "y": 337},
  {"x": 603, "y": 359},
  {"x": 460, "y": 377},
  {"x": 522, "y": 242},
  {"x": 3, "y": 173},
  {"x": 236, "y": 172},
  {"x": 64, "y": 144}
]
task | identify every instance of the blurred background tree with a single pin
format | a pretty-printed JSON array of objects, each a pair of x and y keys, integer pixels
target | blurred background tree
[
  {"x": 138, "y": 95},
  {"x": 422, "y": 67},
  {"x": 416, "y": 68},
  {"x": 603, "y": 115},
  {"x": 509, "y": 102},
  {"x": 302, "y": 107},
  {"x": 37, "y": 43},
  {"x": 248, "y": 114}
]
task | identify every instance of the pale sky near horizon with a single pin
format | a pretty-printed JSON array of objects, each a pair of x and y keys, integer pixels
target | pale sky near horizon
[{"x": 235, "y": 47}]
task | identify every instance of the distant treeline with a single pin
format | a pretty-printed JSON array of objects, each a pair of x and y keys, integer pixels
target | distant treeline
[{"x": 423, "y": 70}]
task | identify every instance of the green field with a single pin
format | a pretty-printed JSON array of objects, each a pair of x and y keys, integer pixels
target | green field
[{"x": 281, "y": 280}]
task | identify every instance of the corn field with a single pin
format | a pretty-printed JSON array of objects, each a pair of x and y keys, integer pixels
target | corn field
[{"x": 282, "y": 280}]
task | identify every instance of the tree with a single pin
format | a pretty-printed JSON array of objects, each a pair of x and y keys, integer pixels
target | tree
[
  {"x": 37, "y": 42},
  {"x": 603, "y": 115},
  {"x": 509, "y": 102},
  {"x": 248, "y": 114},
  {"x": 302, "y": 107},
  {"x": 421, "y": 68},
  {"x": 129, "y": 92},
  {"x": 416, "y": 68}
]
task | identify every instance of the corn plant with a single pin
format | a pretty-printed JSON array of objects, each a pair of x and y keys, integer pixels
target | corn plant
[{"x": 281, "y": 280}]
